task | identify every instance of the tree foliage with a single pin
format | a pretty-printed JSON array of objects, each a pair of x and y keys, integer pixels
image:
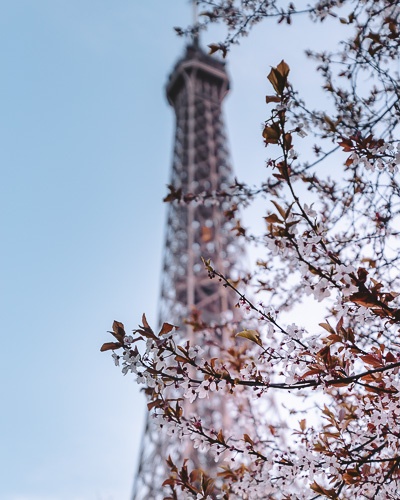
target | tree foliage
[{"x": 330, "y": 233}]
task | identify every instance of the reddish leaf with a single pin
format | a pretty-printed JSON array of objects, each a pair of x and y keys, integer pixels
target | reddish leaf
[
  {"x": 363, "y": 299},
  {"x": 144, "y": 321},
  {"x": 390, "y": 358},
  {"x": 166, "y": 328},
  {"x": 370, "y": 359}
]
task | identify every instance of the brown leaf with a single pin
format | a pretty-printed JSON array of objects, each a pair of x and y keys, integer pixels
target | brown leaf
[
  {"x": 369, "y": 261},
  {"x": 220, "y": 437},
  {"x": 181, "y": 359},
  {"x": 110, "y": 346},
  {"x": 153, "y": 404},
  {"x": 169, "y": 482},
  {"x": 248, "y": 439},
  {"x": 272, "y": 98},
  {"x": 216, "y": 47},
  {"x": 323, "y": 491},
  {"x": 118, "y": 331},
  {"x": 145, "y": 323},
  {"x": 272, "y": 218},
  {"x": 272, "y": 77},
  {"x": 278, "y": 77},
  {"x": 171, "y": 464},
  {"x": 351, "y": 476},
  {"x": 213, "y": 48},
  {"x": 147, "y": 333},
  {"x": 362, "y": 274},
  {"x": 271, "y": 133},
  {"x": 194, "y": 475},
  {"x": 326, "y": 326},
  {"x": 283, "y": 69},
  {"x": 347, "y": 145},
  {"x": 333, "y": 339},
  {"x": 279, "y": 208},
  {"x": 287, "y": 141}
]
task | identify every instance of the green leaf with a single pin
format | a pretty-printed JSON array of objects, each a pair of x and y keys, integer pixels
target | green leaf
[
  {"x": 207, "y": 264},
  {"x": 252, "y": 335}
]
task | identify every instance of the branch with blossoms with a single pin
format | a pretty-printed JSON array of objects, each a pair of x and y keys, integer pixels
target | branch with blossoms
[
  {"x": 160, "y": 374},
  {"x": 283, "y": 357},
  {"x": 330, "y": 235}
]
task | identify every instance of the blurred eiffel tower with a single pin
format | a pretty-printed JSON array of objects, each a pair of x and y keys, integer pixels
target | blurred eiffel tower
[{"x": 195, "y": 89}]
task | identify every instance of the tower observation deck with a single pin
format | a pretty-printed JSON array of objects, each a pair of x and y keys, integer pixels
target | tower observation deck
[{"x": 196, "y": 89}]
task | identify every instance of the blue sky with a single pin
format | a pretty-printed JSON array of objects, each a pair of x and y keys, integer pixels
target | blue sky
[{"x": 85, "y": 149}]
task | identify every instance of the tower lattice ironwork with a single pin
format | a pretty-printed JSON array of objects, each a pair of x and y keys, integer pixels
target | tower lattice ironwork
[{"x": 195, "y": 90}]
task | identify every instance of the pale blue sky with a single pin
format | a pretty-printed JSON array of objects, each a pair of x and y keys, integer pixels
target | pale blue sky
[{"x": 85, "y": 148}]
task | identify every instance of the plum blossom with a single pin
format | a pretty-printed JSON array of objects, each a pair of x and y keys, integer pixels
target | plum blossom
[
  {"x": 309, "y": 210},
  {"x": 320, "y": 290},
  {"x": 195, "y": 351},
  {"x": 348, "y": 287},
  {"x": 115, "y": 358}
]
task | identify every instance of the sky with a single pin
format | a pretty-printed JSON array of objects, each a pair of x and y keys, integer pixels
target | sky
[{"x": 85, "y": 151}]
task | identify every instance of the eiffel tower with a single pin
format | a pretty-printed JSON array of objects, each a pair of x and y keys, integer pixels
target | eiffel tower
[{"x": 196, "y": 89}]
